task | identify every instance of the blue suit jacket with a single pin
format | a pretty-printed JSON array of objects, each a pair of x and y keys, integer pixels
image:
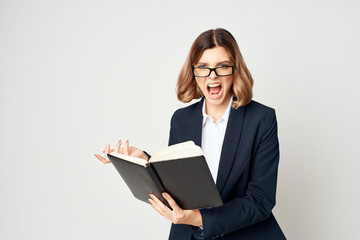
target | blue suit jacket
[{"x": 247, "y": 173}]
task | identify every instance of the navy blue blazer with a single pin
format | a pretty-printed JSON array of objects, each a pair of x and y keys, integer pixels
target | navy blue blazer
[{"x": 246, "y": 177}]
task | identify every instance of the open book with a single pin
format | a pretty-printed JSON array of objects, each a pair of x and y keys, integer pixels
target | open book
[{"x": 180, "y": 170}]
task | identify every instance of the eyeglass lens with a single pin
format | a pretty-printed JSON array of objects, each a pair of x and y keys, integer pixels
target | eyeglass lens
[{"x": 221, "y": 71}]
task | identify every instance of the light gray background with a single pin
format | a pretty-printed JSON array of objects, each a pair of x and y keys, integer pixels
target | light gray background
[{"x": 76, "y": 75}]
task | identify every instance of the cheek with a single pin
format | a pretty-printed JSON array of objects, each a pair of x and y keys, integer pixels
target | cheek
[
  {"x": 229, "y": 83},
  {"x": 197, "y": 81},
  {"x": 200, "y": 84}
]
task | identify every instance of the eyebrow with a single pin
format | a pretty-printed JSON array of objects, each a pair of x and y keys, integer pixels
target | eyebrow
[{"x": 217, "y": 64}]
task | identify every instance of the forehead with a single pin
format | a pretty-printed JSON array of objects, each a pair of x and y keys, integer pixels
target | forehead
[{"x": 215, "y": 55}]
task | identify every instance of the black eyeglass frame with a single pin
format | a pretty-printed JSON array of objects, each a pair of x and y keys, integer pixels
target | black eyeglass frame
[{"x": 213, "y": 69}]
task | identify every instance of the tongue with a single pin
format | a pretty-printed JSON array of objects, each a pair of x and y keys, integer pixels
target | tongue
[{"x": 215, "y": 90}]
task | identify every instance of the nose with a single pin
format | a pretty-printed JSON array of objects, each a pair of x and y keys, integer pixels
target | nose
[{"x": 212, "y": 74}]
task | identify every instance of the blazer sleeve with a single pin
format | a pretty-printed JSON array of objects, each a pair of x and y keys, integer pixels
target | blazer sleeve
[{"x": 259, "y": 199}]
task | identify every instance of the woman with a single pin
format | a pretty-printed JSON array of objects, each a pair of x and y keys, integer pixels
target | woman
[{"x": 238, "y": 137}]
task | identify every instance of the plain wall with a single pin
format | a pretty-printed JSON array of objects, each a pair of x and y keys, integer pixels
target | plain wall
[{"x": 75, "y": 75}]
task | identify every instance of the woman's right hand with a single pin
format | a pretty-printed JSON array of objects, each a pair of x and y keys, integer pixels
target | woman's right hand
[{"x": 126, "y": 150}]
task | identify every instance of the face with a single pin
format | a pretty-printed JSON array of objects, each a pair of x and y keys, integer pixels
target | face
[{"x": 217, "y": 90}]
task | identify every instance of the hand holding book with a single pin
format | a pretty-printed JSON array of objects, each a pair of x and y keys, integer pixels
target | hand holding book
[
  {"x": 177, "y": 179},
  {"x": 179, "y": 170},
  {"x": 176, "y": 215},
  {"x": 126, "y": 150}
]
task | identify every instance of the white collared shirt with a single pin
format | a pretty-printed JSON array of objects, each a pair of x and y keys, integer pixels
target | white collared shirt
[{"x": 212, "y": 138}]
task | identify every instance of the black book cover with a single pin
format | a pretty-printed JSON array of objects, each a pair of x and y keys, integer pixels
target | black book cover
[
  {"x": 139, "y": 179},
  {"x": 187, "y": 180}
]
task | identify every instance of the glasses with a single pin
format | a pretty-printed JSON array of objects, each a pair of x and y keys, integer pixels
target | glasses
[{"x": 222, "y": 71}]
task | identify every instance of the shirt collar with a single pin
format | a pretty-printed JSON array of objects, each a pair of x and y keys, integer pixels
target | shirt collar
[{"x": 225, "y": 116}]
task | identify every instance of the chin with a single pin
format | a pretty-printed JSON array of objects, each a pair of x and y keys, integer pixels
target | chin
[{"x": 219, "y": 101}]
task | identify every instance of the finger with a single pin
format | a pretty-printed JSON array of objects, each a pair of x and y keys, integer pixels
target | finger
[
  {"x": 107, "y": 150},
  {"x": 117, "y": 147},
  {"x": 99, "y": 157},
  {"x": 104, "y": 160},
  {"x": 162, "y": 206},
  {"x": 121, "y": 151},
  {"x": 126, "y": 149},
  {"x": 154, "y": 206},
  {"x": 104, "y": 152},
  {"x": 171, "y": 202}
]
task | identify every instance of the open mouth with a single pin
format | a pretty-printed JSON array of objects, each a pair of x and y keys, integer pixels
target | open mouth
[{"x": 214, "y": 88}]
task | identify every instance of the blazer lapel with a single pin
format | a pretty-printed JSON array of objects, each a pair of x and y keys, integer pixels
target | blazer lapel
[
  {"x": 231, "y": 139},
  {"x": 230, "y": 145}
]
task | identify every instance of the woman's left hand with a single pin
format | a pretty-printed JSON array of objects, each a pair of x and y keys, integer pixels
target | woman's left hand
[{"x": 177, "y": 215}]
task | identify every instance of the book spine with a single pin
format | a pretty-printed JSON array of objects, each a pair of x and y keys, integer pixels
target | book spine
[
  {"x": 155, "y": 177},
  {"x": 159, "y": 185}
]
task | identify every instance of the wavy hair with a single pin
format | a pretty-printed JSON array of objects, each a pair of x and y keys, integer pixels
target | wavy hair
[{"x": 187, "y": 88}]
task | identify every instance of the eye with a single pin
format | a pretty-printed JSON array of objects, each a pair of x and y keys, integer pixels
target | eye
[
  {"x": 223, "y": 65},
  {"x": 201, "y": 66}
]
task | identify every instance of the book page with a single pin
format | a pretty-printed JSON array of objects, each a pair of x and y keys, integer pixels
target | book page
[
  {"x": 180, "y": 150},
  {"x": 135, "y": 160}
]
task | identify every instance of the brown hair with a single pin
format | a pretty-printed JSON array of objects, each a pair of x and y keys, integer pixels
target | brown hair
[{"x": 187, "y": 88}]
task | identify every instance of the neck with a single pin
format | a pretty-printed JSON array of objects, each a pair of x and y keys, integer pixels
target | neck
[{"x": 216, "y": 111}]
